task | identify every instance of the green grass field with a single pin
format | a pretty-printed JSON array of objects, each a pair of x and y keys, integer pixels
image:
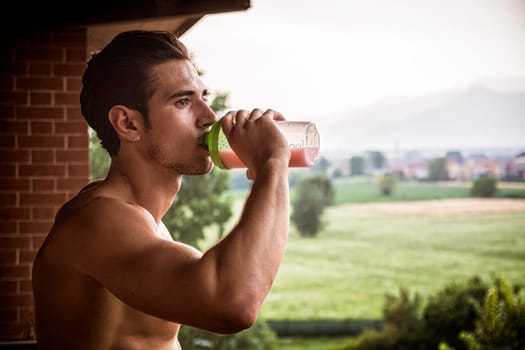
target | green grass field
[
  {"x": 346, "y": 271},
  {"x": 359, "y": 257},
  {"x": 364, "y": 190}
]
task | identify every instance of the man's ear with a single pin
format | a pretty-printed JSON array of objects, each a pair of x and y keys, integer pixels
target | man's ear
[{"x": 126, "y": 122}]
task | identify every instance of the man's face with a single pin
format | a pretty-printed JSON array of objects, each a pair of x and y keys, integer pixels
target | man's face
[{"x": 178, "y": 116}]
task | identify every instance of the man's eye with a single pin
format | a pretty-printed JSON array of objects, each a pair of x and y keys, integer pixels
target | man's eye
[{"x": 183, "y": 102}]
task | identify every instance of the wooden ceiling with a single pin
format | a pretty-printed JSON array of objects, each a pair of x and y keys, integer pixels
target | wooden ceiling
[
  {"x": 106, "y": 18},
  {"x": 30, "y": 15}
]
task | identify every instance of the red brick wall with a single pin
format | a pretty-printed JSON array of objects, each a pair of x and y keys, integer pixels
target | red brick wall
[{"x": 44, "y": 156}]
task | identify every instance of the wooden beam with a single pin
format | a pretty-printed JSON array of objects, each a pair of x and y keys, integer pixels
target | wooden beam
[{"x": 51, "y": 14}]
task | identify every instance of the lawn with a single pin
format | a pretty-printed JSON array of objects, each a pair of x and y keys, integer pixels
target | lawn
[
  {"x": 364, "y": 190},
  {"x": 359, "y": 257}
]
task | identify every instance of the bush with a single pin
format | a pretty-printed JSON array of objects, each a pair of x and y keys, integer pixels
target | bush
[
  {"x": 386, "y": 184},
  {"x": 501, "y": 321},
  {"x": 445, "y": 316},
  {"x": 403, "y": 330},
  {"x": 451, "y": 311},
  {"x": 484, "y": 186},
  {"x": 372, "y": 339},
  {"x": 258, "y": 337}
]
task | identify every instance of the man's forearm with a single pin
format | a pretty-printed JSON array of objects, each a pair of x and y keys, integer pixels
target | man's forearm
[{"x": 249, "y": 257}]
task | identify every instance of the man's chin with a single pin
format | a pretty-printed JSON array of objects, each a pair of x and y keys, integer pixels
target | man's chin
[{"x": 205, "y": 169}]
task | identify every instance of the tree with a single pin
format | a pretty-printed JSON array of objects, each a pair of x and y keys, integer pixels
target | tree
[
  {"x": 312, "y": 195},
  {"x": 337, "y": 174},
  {"x": 99, "y": 160},
  {"x": 357, "y": 166},
  {"x": 321, "y": 166},
  {"x": 203, "y": 201},
  {"x": 220, "y": 102},
  {"x": 438, "y": 170},
  {"x": 456, "y": 156},
  {"x": 377, "y": 159}
]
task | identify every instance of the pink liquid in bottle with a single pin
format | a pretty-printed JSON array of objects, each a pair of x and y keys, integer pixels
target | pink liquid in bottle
[
  {"x": 303, "y": 157},
  {"x": 299, "y": 158},
  {"x": 230, "y": 160}
]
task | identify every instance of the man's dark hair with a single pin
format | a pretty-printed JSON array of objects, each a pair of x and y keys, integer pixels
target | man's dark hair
[{"x": 120, "y": 74}]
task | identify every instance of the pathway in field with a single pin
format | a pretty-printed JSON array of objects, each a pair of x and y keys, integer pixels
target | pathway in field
[{"x": 445, "y": 206}]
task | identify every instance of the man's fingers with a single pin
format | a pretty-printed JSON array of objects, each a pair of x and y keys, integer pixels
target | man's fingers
[
  {"x": 250, "y": 174},
  {"x": 242, "y": 118},
  {"x": 228, "y": 121},
  {"x": 273, "y": 114},
  {"x": 253, "y": 116}
]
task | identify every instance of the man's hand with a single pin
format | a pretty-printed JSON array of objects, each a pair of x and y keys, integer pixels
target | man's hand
[{"x": 256, "y": 139}]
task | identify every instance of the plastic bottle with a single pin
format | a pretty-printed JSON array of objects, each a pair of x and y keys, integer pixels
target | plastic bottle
[{"x": 303, "y": 141}]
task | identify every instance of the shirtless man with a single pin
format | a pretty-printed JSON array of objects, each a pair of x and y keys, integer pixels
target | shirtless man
[{"x": 108, "y": 275}]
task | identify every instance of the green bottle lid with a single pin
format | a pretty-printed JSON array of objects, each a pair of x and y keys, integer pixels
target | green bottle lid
[{"x": 215, "y": 139}]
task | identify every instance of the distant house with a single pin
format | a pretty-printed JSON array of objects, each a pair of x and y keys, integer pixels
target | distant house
[
  {"x": 471, "y": 169},
  {"x": 515, "y": 169},
  {"x": 455, "y": 169},
  {"x": 477, "y": 166},
  {"x": 416, "y": 171}
]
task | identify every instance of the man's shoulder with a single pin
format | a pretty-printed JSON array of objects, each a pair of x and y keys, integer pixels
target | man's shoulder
[
  {"x": 98, "y": 215},
  {"x": 87, "y": 228},
  {"x": 90, "y": 210}
]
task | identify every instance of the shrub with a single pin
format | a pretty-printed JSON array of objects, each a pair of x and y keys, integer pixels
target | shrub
[
  {"x": 386, "y": 184},
  {"x": 451, "y": 311},
  {"x": 258, "y": 337},
  {"x": 401, "y": 313},
  {"x": 484, "y": 186},
  {"x": 445, "y": 316},
  {"x": 404, "y": 329},
  {"x": 501, "y": 321},
  {"x": 372, "y": 339}
]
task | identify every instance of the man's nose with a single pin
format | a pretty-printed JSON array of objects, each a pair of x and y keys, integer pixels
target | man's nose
[{"x": 207, "y": 116}]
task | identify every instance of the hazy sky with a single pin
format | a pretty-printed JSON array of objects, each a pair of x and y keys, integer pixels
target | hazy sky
[{"x": 316, "y": 60}]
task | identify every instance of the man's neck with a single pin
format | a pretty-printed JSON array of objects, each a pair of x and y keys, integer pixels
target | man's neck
[{"x": 152, "y": 189}]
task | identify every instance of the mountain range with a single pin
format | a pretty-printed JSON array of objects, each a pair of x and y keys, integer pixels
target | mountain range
[{"x": 485, "y": 115}]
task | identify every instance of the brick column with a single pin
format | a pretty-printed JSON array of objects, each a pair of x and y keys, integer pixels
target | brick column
[{"x": 44, "y": 156}]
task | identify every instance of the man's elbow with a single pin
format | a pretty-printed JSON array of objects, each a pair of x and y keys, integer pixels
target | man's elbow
[{"x": 236, "y": 318}]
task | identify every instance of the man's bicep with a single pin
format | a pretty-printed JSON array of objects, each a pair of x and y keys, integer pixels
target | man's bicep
[{"x": 155, "y": 276}]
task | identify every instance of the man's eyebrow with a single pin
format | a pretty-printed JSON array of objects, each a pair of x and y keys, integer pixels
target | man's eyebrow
[{"x": 181, "y": 93}]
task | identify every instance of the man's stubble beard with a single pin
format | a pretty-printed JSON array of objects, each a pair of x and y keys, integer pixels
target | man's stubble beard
[{"x": 155, "y": 154}]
